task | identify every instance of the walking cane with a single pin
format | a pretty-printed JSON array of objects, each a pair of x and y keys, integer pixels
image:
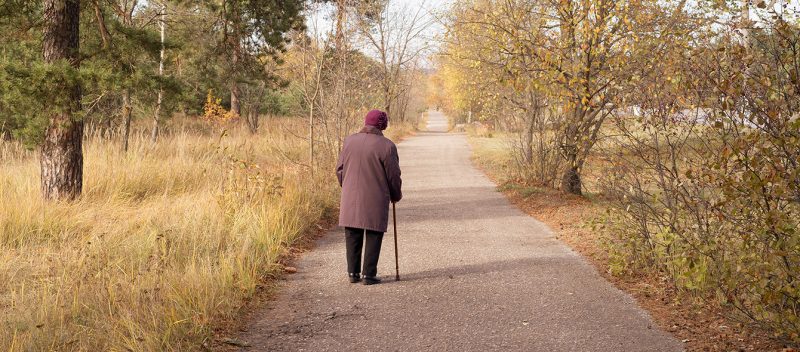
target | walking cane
[{"x": 396, "y": 261}]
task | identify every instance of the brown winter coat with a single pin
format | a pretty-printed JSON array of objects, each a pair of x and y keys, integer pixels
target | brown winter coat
[{"x": 369, "y": 173}]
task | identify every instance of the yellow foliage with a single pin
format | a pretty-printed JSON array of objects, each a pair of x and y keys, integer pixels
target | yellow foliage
[{"x": 215, "y": 114}]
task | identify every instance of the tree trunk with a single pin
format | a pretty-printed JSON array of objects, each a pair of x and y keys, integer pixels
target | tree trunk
[
  {"x": 252, "y": 120},
  {"x": 311, "y": 138},
  {"x": 157, "y": 113},
  {"x": 236, "y": 107},
  {"x": 571, "y": 181},
  {"x": 62, "y": 150},
  {"x": 744, "y": 22},
  {"x": 5, "y": 134},
  {"x": 255, "y": 107},
  {"x": 340, "y": 74},
  {"x": 527, "y": 143},
  {"x": 155, "y": 131},
  {"x": 387, "y": 98},
  {"x": 127, "y": 109},
  {"x": 236, "y": 47}
]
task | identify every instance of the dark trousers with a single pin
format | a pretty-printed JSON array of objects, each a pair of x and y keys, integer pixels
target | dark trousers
[{"x": 355, "y": 242}]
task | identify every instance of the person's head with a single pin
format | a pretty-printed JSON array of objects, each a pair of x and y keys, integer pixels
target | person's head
[{"x": 377, "y": 118}]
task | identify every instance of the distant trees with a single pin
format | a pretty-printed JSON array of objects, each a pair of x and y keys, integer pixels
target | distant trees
[
  {"x": 141, "y": 61},
  {"x": 135, "y": 60},
  {"x": 252, "y": 31},
  {"x": 340, "y": 74},
  {"x": 393, "y": 35},
  {"x": 122, "y": 44}
]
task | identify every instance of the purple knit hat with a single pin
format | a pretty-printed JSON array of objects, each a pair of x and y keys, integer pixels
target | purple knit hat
[{"x": 377, "y": 118}]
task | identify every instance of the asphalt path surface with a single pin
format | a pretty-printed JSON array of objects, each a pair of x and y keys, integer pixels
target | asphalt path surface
[{"x": 477, "y": 274}]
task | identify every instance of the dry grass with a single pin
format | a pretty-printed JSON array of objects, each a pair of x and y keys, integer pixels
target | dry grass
[
  {"x": 166, "y": 240},
  {"x": 492, "y": 153},
  {"x": 399, "y": 130}
]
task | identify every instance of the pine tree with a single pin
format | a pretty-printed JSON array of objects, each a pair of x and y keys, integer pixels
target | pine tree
[
  {"x": 253, "y": 30},
  {"x": 61, "y": 151}
]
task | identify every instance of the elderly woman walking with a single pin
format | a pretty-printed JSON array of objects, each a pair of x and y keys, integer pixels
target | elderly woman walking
[{"x": 369, "y": 173}]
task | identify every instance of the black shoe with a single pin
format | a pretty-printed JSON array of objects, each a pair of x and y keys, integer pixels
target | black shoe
[
  {"x": 354, "y": 277},
  {"x": 371, "y": 280}
]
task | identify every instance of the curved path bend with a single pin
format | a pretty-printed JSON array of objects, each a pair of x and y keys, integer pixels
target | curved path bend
[{"x": 477, "y": 275}]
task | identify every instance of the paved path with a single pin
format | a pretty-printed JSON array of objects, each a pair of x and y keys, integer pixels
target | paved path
[{"x": 477, "y": 275}]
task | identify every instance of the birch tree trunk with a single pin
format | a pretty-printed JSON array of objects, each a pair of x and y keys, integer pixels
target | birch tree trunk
[
  {"x": 236, "y": 106},
  {"x": 127, "y": 104},
  {"x": 235, "y": 42},
  {"x": 157, "y": 114}
]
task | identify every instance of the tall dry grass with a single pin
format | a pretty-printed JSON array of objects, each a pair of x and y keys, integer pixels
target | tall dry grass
[
  {"x": 399, "y": 130},
  {"x": 165, "y": 241}
]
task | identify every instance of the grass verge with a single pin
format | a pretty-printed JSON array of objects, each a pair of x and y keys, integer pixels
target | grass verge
[{"x": 167, "y": 241}]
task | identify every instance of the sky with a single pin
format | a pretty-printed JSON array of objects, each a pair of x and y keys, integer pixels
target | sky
[{"x": 321, "y": 20}]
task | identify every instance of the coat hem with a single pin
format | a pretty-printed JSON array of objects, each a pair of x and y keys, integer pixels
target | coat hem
[{"x": 363, "y": 227}]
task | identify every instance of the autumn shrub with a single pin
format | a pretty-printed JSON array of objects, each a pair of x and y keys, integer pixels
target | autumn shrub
[
  {"x": 214, "y": 113},
  {"x": 537, "y": 158},
  {"x": 166, "y": 241},
  {"x": 707, "y": 188}
]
